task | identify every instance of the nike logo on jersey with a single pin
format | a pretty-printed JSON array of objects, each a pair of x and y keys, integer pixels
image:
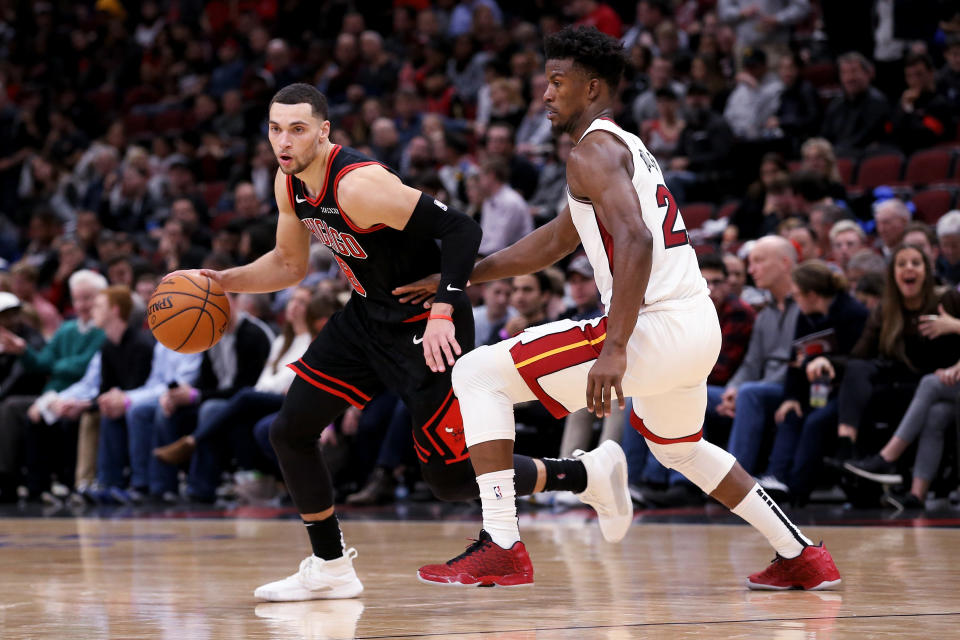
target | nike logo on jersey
[
  {"x": 299, "y": 199},
  {"x": 452, "y": 289},
  {"x": 417, "y": 340}
]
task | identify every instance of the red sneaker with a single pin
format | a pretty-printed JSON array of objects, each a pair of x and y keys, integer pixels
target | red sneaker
[
  {"x": 483, "y": 564},
  {"x": 813, "y": 569}
]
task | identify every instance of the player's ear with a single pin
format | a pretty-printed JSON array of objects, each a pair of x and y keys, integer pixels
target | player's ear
[
  {"x": 593, "y": 88},
  {"x": 325, "y": 129}
]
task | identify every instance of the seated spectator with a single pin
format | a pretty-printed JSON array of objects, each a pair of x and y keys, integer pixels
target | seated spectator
[
  {"x": 227, "y": 429},
  {"x": 23, "y": 284},
  {"x": 921, "y": 235},
  {"x": 755, "y": 99},
  {"x": 661, "y": 77},
  {"x": 798, "y": 113},
  {"x": 489, "y": 318},
  {"x": 948, "y": 238},
  {"x": 535, "y": 132},
  {"x": 856, "y": 120},
  {"x": 869, "y": 289},
  {"x": 521, "y": 174},
  {"x": 117, "y": 449},
  {"x": 176, "y": 249},
  {"x": 818, "y": 158},
  {"x": 504, "y": 216},
  {"x": 530, "y": 296},
  {"x": 551, "y": 195},
  {"x": 931, "y": 412},
  {"x": 233, "y": 363},
  {"x": 662, "y": 134},
  {"x": 862, "y": 263},
  {"x": 123, "y": 362},
  {"x": 804, "y": 238},
  {"x": 891, "y": 217},
  {"x": 830, "y": 320},
  {"x": 754, "y": 392},
  {"x": 736, "y": 274},
  {"x": 701, "y": 162},
  {"x": 894, "y": 347},
  {"x": 846, "y": 240},
  {"x": 14, "y": 381},
  {"x": 64, "y": 359},
  {"x": 821, "y": 218},
  {"x": 922, "y": 117},
  {"x": 590, "y": 13}
]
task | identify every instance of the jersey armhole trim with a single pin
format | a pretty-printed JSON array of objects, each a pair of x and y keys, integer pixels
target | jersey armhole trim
[
  {"x": 290, "y": 195},
  {"x": 346, "y": 218}
]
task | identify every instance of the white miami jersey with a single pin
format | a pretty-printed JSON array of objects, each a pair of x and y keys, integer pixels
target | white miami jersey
[{"x": 675, "y": 274}]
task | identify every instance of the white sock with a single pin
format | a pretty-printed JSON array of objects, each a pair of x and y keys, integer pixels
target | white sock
[
  {"x": 758, "y": 509},
  {"x": 498, "y": 499}
]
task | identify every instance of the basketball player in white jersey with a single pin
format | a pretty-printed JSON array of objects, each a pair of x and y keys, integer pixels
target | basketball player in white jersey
[{"x": 657, "y": 343}]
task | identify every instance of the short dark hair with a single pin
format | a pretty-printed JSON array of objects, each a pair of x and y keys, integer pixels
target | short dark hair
[
  {"x": 301, "y": 92},
  {"x": 918, "y": 58},
  {"x": 589, "y": 49},
  {"x": 498, "y": 167},
  {"x": 712, "y": 261}
]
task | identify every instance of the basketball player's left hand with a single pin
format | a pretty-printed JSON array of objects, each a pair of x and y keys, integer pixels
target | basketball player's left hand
[
  {"x": 605, "y": 376},
  {"x": 439, "y": 344}
]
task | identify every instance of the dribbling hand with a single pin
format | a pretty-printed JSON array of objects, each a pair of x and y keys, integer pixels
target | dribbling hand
[{"x": 210, "y": 273}]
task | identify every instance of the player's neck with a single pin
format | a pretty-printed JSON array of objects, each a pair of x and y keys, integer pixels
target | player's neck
[
  {"x": 590, "y": 114},
  {"x": 316, "y": 172}
]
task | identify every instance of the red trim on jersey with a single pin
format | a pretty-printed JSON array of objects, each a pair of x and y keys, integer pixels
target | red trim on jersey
[
  {"x": 290, "y": 195},
  {"x": 347, "y": 169},
  {"x": 332, "y": 379},
  {"x": 611, "y": 120},
  {"x": 422, "y": 316},
  {"x": 335, "y": 392},
  {"x": 422, "y": 456},
  {"x": 607, "y": 241},
  {"x": 637, "y": 423},
  {"x": 555, "y": 352},
  {"x": 326, "y": 179}
]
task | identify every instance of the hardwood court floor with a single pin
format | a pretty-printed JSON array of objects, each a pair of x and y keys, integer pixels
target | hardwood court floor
[{"x": 177, "y": 579}]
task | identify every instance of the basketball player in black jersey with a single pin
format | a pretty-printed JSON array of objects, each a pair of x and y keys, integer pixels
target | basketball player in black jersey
[{"x": 382, "y": 234}]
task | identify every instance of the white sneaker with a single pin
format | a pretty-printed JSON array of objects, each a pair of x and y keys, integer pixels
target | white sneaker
[
  {"x": 317, "y": 579},
  {"x": 607, "y": 491},
  {"x": 324, "y": 620},
  {"x": 770, "y": 483}
]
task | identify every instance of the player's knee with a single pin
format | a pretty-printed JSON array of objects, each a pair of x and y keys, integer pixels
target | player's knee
[
  {"x": 452, "y": 483},
  {"x": 703, "y": 463},
  {"x": 280, "y": 431},
  {"x": 455, "y": 493},
  {"x": 478, "y": 370}
]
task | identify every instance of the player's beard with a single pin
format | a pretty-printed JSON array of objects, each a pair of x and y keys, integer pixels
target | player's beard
[{"x": 297, "y": 167}]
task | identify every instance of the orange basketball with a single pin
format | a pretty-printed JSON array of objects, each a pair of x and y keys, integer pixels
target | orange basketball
[{"x": 188, "y": 313}]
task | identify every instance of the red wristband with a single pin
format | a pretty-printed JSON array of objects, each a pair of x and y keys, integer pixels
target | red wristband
[{"x": 440, "y": 317}]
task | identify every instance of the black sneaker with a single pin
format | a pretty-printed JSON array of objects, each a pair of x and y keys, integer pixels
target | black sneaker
[
  {"x": 904, "y": 502},
  {"x": 875, "y": 468}
]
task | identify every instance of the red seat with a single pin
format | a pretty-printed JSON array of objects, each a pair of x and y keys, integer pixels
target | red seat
[
  {"x": 823, "y": 74},
  {"x": 932, "y": 203},
  {"x": 695, "y": 214},
  {"x": 845, "y": 167},
  {"x": 727, "y": 209},
  {"x": 928, "y": 166},
  {"x": 879, "y": 170}
]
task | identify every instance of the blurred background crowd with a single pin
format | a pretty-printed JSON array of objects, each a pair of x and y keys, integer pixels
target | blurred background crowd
[{"x": 813, "y": 147}]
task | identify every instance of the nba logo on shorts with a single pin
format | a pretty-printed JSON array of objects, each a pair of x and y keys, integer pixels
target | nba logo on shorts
[{"x": 496, "y": 492}]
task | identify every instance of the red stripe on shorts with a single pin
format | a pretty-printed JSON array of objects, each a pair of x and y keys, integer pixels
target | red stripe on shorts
[
  {"x": 305, "y": 376},
  {"x": 637, "y": 423},
  {"x": 555, "y": 352}
]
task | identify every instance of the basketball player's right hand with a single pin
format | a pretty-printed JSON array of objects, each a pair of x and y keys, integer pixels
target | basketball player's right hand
[
  {"x": 422, "y": 290},
  {"x": 210, "y": 273}
]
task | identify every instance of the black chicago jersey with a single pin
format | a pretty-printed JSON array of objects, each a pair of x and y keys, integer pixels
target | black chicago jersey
[{"x": 374, "y": 260}]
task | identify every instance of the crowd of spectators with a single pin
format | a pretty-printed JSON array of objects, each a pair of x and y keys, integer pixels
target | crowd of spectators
[{"x": 812, "y": 145}]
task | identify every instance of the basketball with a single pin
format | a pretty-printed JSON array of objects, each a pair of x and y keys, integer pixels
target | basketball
[{"x": 188, "y": 313}]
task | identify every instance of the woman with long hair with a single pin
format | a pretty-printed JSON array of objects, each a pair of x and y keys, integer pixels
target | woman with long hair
[
  {"x": 830, "y": 320},
  {"x": 894, "y": 349}
]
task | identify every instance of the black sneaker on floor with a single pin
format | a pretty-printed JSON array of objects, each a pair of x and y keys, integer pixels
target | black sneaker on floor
[
  {"x": 904, "y": 501},
  {"x": 875, "y": 468}
]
